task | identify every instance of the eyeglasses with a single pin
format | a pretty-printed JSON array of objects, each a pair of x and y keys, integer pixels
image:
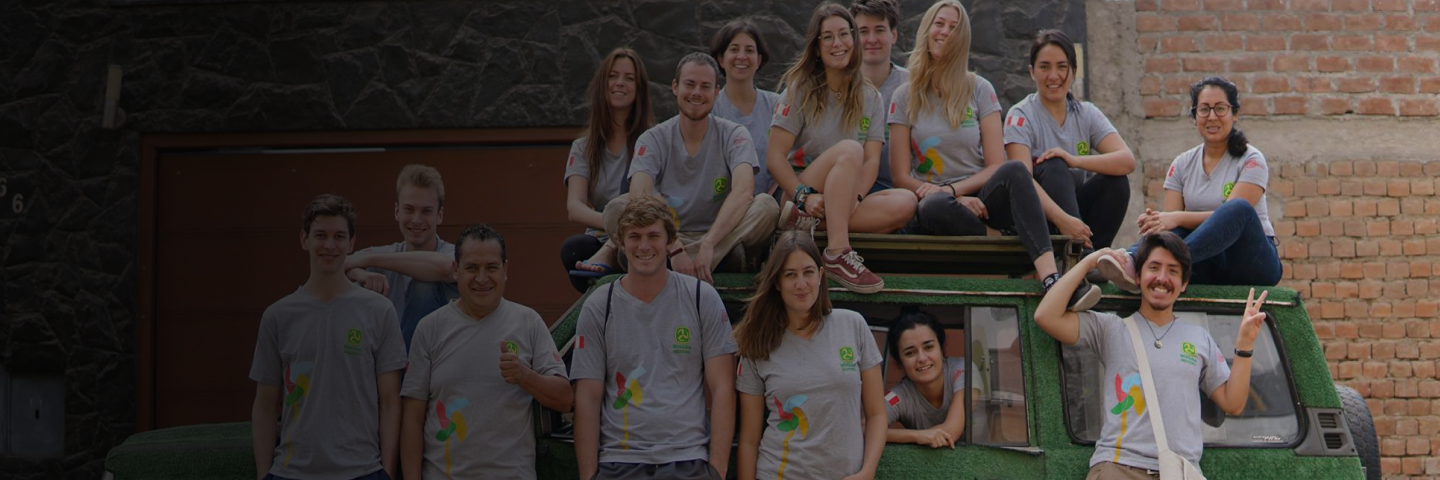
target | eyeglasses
[
  {"x": 828, "y": 39},
  {"x": 1220, "y": 110}
]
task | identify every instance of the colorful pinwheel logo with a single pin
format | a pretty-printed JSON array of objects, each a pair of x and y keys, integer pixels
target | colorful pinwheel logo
[
  {"x": 627, "y": 394},
  {"x": 930, "y": 166},
  {"x": 297, "y": 385},
  {"x": 452, "y": 423},
  {"x": 1128, "y": 395},
  {"x": 792, "y": 418}
]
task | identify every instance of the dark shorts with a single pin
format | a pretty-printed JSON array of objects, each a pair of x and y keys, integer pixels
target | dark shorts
[
  {"x": 686, "y": 470},
  {"x": 375, "y": 475}
]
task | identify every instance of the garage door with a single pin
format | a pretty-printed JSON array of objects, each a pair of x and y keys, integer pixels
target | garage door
[{"x": 226, "y": 245}]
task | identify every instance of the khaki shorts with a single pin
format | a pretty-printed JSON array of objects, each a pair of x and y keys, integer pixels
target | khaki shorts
[{"x": 1115, "y": 471}]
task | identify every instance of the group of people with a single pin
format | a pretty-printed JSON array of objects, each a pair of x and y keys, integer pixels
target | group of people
[
  {"x": 410, "y": 379},
  {"x": 739, "y": 161}
]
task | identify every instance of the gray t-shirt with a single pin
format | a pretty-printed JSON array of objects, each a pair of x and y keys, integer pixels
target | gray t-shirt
[
  {"x": 694, "y": 186},
  {"x": 476, "y": 425},
  {"x": 325, "y": 357},
  {"x": 813, "y": 139},
  {"x": 898, "y": 76},
  {"x": 1205, "y": 193},
  {"x": 400, "y": 283},
  {"x": 905, "y": 403},
  {"x": 1028, "y": 123},
  {"x": 1189, "y": 365},
  {"x": 653, "y": 368},
  {"x": 610, "y": 181},
  {"x": 941, "y": 154},
  {"x": 812, "y": 394},
  {"x": 757, "y": 123}
]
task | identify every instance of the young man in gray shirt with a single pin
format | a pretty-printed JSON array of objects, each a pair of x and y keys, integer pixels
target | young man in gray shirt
[
  {"x": 875, "y": 24},
  {"x": 648, "y": 349},
  {"x": 704, "y": 167},
  {"x": 327, "y": 365},
  {"x": 467, "y": 408},
  {"x": 1182, "y": 356},
  {"x": 417, "y": 273}
]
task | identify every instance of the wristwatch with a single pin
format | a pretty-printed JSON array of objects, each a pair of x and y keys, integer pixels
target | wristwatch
[{"x": 1244, "y": 353}]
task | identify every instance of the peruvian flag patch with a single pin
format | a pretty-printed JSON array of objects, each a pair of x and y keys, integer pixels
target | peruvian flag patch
[
  {"x": 581, "y": 342},
  {"x": 572, "y": 161},
  {"x": 783, "y": 110},
  {"x": 1017, "y": 121},
  {"x": 891, "y": 399},
  {"x": 739, "y": 368},
  {"x": 1172, "y": 171},
  {"x": 892, "y": 108},
  {"x": 641, "y": 152}
]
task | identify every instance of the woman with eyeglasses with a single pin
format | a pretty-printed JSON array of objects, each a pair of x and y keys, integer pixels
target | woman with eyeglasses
[
  {"x": 825, "y": 149},
  {"x": 1078, "y": 157},
  {"x": 1214, "y": 199},
  {"x": 947, "y": 147}
]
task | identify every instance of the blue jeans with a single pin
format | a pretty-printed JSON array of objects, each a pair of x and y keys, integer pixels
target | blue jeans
[
  {"x": 421, "y": 298},
  {"x": 1230, "y": 248}
]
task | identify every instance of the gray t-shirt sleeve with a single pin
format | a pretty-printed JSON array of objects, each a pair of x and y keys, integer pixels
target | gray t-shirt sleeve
[
  {"x": 546, "y": 359},
  {"x": 1093, "y": 328},
  {"x": 1175, "y": 176},
  {"x": 267, "y": 367},
  {"x": 649, "y": 156},
  {"x": 417, "y": 374},
  {"x": 1097, "y": 126},
  {"x": 390, "y": 350},
  {"x": 747, "y": 380},
  {"x": 985, "y": 98},
  {"x": 1254, "y": 169},
  {"x": 788, "y": 115},
  {"x": 715, "y": 324},
  {"x": 899, "y": 106},
  {"x": 740, "y": 149},
  {"x": 576, "y": 164},
  {"x": 588, "y": 359},
  {"x": 869, "y": 353},
  {"x": 1018, "y": 129},
  {"x": 873, "y": 123},
  {"x": 1216, "y": 372}
]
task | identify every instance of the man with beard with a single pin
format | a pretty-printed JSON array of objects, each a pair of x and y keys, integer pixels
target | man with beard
[
  {"x": 1182, "y": 356},
  {"x": 704, "y": 168}
]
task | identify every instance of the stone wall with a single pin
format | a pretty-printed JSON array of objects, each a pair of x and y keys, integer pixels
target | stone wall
[{"x": 70, "y": 271}]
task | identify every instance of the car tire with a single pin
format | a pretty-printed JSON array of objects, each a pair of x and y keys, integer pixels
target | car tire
[{"x": 1362, "y": 430}]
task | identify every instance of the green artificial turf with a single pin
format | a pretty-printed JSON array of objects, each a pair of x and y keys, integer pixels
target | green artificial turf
[{"x": 201, "y": 452}]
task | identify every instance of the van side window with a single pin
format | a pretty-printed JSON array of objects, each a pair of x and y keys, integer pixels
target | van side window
[
  {"x": 998, "y": 388},
  {"x": 1269, "y": 418}
]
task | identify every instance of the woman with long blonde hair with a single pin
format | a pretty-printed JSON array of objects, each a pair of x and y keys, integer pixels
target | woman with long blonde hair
[
  {"x": 948, "y": 148},
  {"x": 599, "y": 160},
  {"x": 825, "y": 145},
  {"x": 815, "y": 368}
]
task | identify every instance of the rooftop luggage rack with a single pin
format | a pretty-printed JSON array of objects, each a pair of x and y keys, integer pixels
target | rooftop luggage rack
[{"x": 953, "y": 255}]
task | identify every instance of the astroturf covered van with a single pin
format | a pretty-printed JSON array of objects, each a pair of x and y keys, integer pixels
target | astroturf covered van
[{"x": 1035, "y": 407}]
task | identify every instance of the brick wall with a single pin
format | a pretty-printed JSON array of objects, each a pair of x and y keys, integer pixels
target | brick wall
[
  {"x": 1294, "y": 57},
  {"x": 1359, "y": 241}
]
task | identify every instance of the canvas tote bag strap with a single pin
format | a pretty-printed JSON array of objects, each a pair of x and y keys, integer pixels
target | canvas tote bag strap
[{"x": 1152, "y": 399}]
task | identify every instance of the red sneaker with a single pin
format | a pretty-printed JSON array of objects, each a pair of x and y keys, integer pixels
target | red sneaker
[
  {"x": 848, "y": 269},
  {"x": 792, "y": 218}
]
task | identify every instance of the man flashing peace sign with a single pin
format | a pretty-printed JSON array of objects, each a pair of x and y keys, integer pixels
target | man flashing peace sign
[{"x": 1181, "y": 355}]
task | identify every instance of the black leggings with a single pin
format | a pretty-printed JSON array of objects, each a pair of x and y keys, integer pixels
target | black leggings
[
  {"x": 1100, "y": 201},
  {"x": 575, "y": 249},
  {"x": 1010, "y": 200}
]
